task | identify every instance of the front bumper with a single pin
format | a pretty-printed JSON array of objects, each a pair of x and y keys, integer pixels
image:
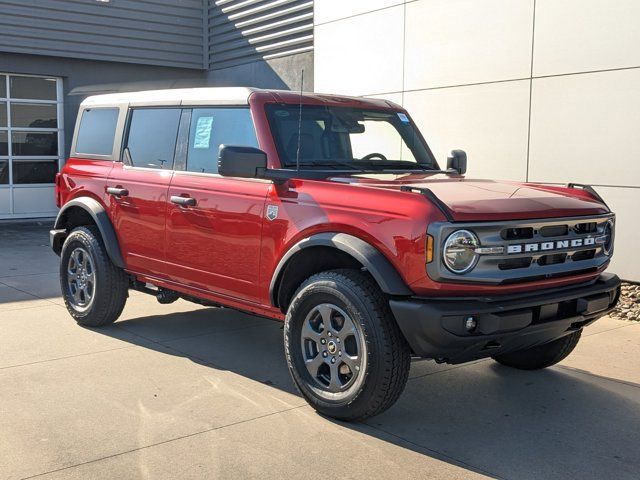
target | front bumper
[
  {"x": 435, "y": 327},
  {"x": 56, "y": 239}
]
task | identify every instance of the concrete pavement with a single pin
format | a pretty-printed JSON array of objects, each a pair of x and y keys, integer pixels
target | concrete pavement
[{"x": 182, "y": 391}]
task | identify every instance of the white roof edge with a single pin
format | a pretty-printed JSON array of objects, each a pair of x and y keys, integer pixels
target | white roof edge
[{"x": 177, "y": 96}]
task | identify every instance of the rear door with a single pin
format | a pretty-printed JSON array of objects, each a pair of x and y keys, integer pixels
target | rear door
[
  {"x": 138, "y": 185},
  {"x": 214, "y": 223}
]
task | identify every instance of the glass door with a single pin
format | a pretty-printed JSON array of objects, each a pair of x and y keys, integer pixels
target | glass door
[{"x": 31, "y": 144}]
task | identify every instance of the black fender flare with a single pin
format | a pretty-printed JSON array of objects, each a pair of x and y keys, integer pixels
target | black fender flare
[
  {"x": 381, "y": 269},
  {"x": 101, "y": 219}
]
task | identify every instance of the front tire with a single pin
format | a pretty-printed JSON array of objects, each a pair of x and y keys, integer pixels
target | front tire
[
  {"x": 542, "y": 356},
  {"x": 344, "y": 350},
  {"x": 93, "y": 288}
]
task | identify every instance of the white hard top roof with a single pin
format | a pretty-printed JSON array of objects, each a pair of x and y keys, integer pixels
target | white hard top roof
[{"x": 178, "y": 96}]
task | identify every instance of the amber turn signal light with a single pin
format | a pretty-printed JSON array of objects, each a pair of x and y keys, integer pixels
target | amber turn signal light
[{"x": 429, "y": 248}]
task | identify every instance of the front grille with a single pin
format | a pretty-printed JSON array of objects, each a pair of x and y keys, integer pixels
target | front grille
[
  {"x": 590, "y": 227},
  {"x": 513, "y": 263},
  {"x": 535, "y": 278},
  {"x": 531, "y": 250},
  {"x": 584, "y": 255},
  {"x": 517, "y": 233},
  {"x": 552, "y": 259},
  {"x": 554, "y": 231}
]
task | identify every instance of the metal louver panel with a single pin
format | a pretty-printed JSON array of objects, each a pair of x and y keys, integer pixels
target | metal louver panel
[
  {"x": 243, "y": 31},
  {"x": 154, "y": 32}
]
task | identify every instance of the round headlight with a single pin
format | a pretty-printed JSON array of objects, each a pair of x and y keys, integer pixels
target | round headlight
[
  {"x": 459, "y": 251},
  {"x": 608, "y": 233}
]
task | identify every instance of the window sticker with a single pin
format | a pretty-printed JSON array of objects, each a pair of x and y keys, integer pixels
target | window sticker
[
  {"x": 403, "y": 118},
  {"x": 203, "y": 132}
]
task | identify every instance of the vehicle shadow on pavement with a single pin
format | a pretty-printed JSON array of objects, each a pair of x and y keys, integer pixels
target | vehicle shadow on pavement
[{"x": 486, "y": 418}]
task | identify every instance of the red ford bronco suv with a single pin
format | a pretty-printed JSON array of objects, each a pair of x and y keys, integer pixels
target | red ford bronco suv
[{"x": 332, "y": 214}]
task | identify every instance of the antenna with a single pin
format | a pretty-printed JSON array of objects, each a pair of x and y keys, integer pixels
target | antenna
[{"x": 300, "y": 121}]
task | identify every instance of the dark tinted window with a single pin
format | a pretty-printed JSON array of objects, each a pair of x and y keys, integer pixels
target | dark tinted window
[
  {"x": 152, "y": 137},
  {"x": 97, "y": 131},
  {"x": 33, "y": 115},
  {"x": 4, "y": 143},
  {"x": 3, "y": 86},
  {"x": 35, "y": 144},
  {"x": 212, "y": 127},
  {"x": 34, "y": 171},
  {"x": 33, "y": 88},
  {"x": 4, "y": 172},
  {"x": 3, "y": 114}
]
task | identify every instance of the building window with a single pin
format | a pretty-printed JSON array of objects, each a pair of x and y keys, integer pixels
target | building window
[
  {"x": 4, "y": 172},
  {"x": 34, "y": 115},
  {"x": 4, "y": 144},
  {"x": 33, "y": 88},
  {"x": 31, "y": 149}
]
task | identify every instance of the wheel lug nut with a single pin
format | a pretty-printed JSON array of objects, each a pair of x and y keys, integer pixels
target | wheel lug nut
[
  {"x": 333, "y": 359},
  {"x": 329, "y": 334},
  {"x": 323, "y": 341},
  {"x": 324, "y": 354},
  {"x": 340, "y": 353}
]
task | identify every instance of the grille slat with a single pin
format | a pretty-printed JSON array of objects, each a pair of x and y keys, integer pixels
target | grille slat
[
  {"x": 513, "y": 263},
  {"x": 552, "y": 259},
  {"x": 554, "y": 231},
  {"x": 516, "y": 233}
]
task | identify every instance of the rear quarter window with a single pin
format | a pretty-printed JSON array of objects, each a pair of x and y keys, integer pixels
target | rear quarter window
[{"x": 97, "y": 131}]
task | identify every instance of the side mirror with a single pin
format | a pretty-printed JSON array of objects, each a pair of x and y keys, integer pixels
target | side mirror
[
  {"x": 243, "y": 162},
  {"x": 457, "y": 160}
]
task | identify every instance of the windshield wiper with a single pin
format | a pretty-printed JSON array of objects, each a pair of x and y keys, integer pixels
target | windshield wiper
[
  {"x": 372, "y": 166},
  {"x": 332, "y": 163},
  {"x": 396, "y": 165}
]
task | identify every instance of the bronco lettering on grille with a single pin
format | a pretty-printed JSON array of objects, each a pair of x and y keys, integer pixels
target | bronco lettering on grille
[{"x": 550, "y": 246}]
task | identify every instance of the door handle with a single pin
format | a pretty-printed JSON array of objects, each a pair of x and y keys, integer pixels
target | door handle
[
  {"x": 117, "y": 191},
  {"x": 183, "y": 201}
]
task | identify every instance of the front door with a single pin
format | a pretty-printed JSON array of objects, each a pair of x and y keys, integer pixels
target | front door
[
  {"x": 214, "y": 223},
  {"x": 137, "y": 188}
]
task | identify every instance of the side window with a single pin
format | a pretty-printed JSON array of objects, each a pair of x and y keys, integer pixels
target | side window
[
  {"x": 212, "y": 127},
  {"x": 97, "y": 131},
  {"x": 152, "y": 137}
]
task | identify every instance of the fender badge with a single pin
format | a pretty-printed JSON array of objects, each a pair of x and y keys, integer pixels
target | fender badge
[{"x": 272, "y": 212}]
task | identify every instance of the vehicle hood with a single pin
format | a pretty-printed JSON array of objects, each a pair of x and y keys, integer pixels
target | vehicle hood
[{"x": 484, "y": 200}]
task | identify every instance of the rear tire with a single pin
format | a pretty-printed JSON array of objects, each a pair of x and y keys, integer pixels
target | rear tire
[
  {"x": 93, "y": 288},
  {"x": 344, "y": 350},
  {"x": 542, "y": 356}
]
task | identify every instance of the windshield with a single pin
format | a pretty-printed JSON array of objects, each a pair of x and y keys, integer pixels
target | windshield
[{"x": 347, "y": 138}]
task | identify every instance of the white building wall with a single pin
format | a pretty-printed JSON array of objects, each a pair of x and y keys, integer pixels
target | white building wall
[{"x": 534, "y": 90}]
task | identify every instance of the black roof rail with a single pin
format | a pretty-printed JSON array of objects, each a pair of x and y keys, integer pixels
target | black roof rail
[
  {"x": 431, "y": 196},
  {"x": 591, "y": 190}
]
